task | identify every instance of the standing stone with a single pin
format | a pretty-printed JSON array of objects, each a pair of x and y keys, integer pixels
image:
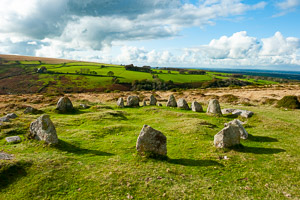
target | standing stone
[
  {"x": 227, "y": 137},
  {"x": 120, "y": 102},
  {"x": 181, "y": 103},
  {"x": 133, "y": 101},
  {"x": 238, "y": 123},
  {"x": 172, "y": 101},
  {"x": 64, "y": 105},
  {"x": 153, "y": 100},
  {"x": 144, "y": 103},
  {"x": 214, "y": 107},
  {"x": 43, "y": 129},
  {"x": 151, "y": 141},
  {"x": 13, "y": 139},
  {"x": 196, "y": 107}
]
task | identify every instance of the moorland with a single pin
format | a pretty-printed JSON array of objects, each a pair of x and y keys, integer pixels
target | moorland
[{"x": 96, "y": 157}]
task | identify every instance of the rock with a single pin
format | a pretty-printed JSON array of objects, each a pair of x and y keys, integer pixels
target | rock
[
  {"x": 13, "y": 139},
  {"x": 133, "y": 101},
  {"x": 153, "y": 100},
  {"x": 172, "y": 101},
  {"x": 64, "y": 105},
  {"x": 144, "y": 103},
  {"x": 214, "y": 107},
  {"x": 4, "y": 119},
  {"x": 11, "y": 116},
  {"x": 243, "y": 113},
  {"x": 151, "y": 141},
  {"x": 227, "y": 137},
  {"x": 181, "y": 103},
  {"x": 243, "y": 132},
  {"x": 43, "y": 129},
  {"x": 159, "y": 104},
  {"x": 83, "y": 106},
  {"x": 196, "y": 107},
  {"x": 5, "y": 156},
  {"x": 120, "y": 102},
  {"x": 31, "y": 110}
]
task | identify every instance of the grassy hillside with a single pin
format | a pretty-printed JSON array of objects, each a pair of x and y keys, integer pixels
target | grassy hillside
[
  {"x": 96, "y": 156},
  {"x": 20, "y": 76}
]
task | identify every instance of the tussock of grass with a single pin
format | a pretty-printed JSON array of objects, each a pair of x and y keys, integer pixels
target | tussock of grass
[{"x": 289, "y": 102}]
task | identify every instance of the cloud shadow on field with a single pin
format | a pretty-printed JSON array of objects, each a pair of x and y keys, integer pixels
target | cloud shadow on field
[
  {"x": 70, "y": 148},
  {"x": 192, "y": 162}
]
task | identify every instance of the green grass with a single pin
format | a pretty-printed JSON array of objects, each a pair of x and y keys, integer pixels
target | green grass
[{"x": 96, "y": 157}]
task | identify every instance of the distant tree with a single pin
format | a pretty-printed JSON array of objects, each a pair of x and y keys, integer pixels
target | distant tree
[{"x": 110, "y": 73}]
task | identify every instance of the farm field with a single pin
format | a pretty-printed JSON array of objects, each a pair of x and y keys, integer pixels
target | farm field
[
  {"x": 20, "y": 76},
  {"x": 96, "y": 156}
]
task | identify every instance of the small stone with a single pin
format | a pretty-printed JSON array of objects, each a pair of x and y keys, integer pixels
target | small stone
[
  {"x": 43, "y": 129},
  {"x": 159, "y": 104},
  {"x": 4, "y": 119},
  {"x": 120, "y": 102},
  {"x": 151, "y": 141},
  {"x": 214, "y": 107},
  {"x": 133, "y": 101},
  {"x": 227, "y": 137},
  {"x": 153, "y": 100},
  {"x": 181, "y": 103},
  {"x": 238, "y": 112},
  {"x": 144, "y": 103},
  {"x": 31, "y": 110},
  {"x": 172, "y": 101},
  {"x": 11, "y": 116},
  {"x": 64, "y": 105},
  {"x": 196, "y": 107},
  {"x": 5, "y": 156},
  {"x": 243, "y": 132},
  {"x": 13, "y": 139},
  {"x": 84, "y": 106}
]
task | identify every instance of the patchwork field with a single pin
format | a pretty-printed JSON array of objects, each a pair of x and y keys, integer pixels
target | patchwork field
[{"x": 96, "y": 156}]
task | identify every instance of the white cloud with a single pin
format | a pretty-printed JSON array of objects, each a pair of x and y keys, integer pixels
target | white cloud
[
  {"x": 288, "y": 4},
  {"x": 94, "y": 24}
]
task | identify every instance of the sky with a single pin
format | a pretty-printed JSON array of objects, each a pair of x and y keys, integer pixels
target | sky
[{"x": 160, "y": 33}]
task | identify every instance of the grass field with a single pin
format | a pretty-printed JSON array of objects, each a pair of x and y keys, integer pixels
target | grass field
[{"x": 96, "y": 156}]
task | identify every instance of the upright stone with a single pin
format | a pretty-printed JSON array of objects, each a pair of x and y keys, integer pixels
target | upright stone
[
  {"x": 133, "y": 101},
  {"x": 120, "y": 102},
  {"x": 153, "y": 100},
  {"x": 243, "y": 132},
  {"x": 43, "y": 129},
  {"x": 196, "y": 107},
  {"x": 172, "y": 101},
  {"x": 227, "y": 137},
  {"x": 64, "y": 105},
  {"x": 181, "y": 103},
  {"x": 151, "y": 141},
  {"x": 214, "y": 107}
]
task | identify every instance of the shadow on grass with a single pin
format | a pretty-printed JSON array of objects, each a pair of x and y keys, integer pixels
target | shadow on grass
[
  {"x": 12, "y": 172},
  {"x": 65, "y": 146},
  {"x": 257, "y": 150},
  {"x": 261, "y": 138},
  {"x": 230, "y": 116},
  {"x": 192, "y": 162}
]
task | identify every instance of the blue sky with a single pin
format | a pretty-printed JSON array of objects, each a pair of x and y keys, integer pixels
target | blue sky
[{"x": 173, "y": 33}]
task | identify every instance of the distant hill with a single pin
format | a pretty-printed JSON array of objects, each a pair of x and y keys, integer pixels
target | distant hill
[{"x": 32, "y": 58}]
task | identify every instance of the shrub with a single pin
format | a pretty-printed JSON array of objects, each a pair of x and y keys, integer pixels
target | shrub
[
  {"x": 289, "y": 102},
  {"x": 229, "y": 98}
]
